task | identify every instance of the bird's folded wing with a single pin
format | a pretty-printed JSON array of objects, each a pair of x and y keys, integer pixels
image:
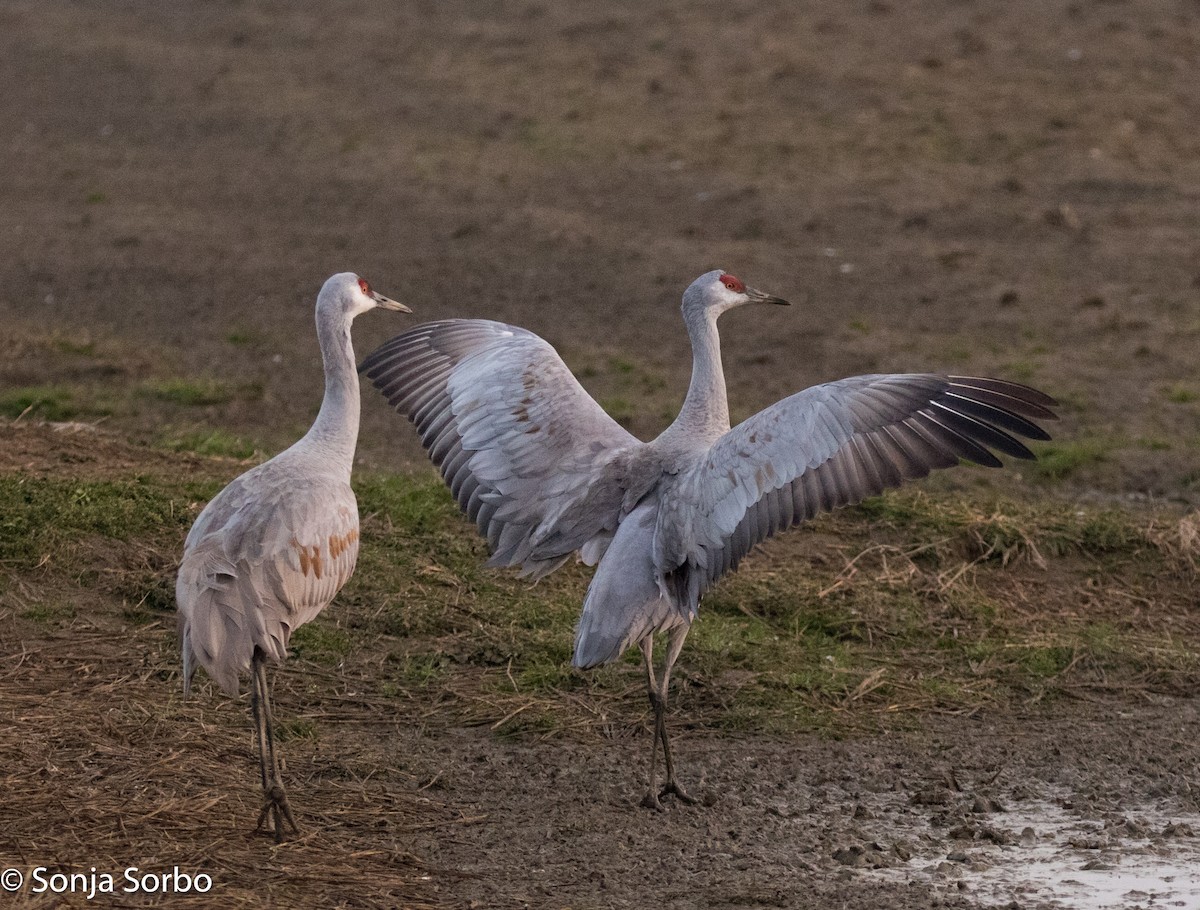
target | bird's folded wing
[
  {"x": 829, "y": 446},
  {"x": 262, "y": 567},
  {"x": 527, "y": 453}
]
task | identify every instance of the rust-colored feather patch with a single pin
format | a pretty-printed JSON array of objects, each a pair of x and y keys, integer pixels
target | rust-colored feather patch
[
  {"x": 339, "y": 544},
  {"x": 310, "y": 557}
]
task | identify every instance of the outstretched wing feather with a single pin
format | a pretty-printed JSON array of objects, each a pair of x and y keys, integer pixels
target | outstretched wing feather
[{"x": 830, "y": 446}]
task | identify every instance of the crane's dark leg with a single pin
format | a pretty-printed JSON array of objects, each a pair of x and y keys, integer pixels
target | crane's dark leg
[
  {"x": 650, "y": 800},
  {"x": 657, "y": 690},
  {"x": 275, "y": 802},
  {"x": 260, "y": 728},
  {"x": 674, "y": 646}
]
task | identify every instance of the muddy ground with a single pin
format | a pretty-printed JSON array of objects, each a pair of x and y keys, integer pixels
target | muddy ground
[{"x": 1009, "y": 189}]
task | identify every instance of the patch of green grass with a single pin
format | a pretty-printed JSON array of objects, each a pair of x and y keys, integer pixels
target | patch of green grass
[
  {"x": 48, "y": 612},
  {"x": 415, "y": 504},
  {"x": 243, "y": 337},
  {"x": 292, "y": 728},
  {"x": 545, "y": 676},
  {"x": 210, "y": 442},
  {"x": 898, "y": 510},
  {"x": 40, "y": 516},
  {"x": 1020, "y": 370},
  {"x": 1057, "y": 460},
  {"x": 198, "y": 393},
  {"x": 321, "y": 641},
  {"x": 1180, "y": 394},
  {"x": 76, "y": 348},
  {"x": 415, "y": 669},
  {"x": 149, "y": 593},
  {"x": 955, "y": 354},
  {"x": 52, "y": 403},
  {"x": 1108, "y": 532},
  {"x": 618, "y": 408},
  {"x": 1153, "y": 444},
  {"x": 1041, "y": 662}
]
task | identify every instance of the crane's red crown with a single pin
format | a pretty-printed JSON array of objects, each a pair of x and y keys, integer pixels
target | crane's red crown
[
  {"x": 734, "y": 284},
  {"x": 366, "y": 288}
]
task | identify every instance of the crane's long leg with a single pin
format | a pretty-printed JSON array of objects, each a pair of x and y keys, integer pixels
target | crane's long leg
[
  {"x": 674, "y": 646},
  {"x": 275, "y": 802},
  {"x": 650, "y": 800},
  {"x": 657, "y": 691},
  {"x": 260, "y": 729}
]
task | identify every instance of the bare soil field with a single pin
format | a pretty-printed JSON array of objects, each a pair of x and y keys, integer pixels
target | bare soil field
[{"x": 982, "y": 694}]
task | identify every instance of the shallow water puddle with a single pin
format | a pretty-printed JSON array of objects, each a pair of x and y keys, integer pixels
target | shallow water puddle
[{"x": 1040, "y": 854}]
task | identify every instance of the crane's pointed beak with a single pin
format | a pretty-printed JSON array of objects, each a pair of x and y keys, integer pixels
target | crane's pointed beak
[
  {"x": 388, "y": 304},
  {"x": 757, "y": 296}
]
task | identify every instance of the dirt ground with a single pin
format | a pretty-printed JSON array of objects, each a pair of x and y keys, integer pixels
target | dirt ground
[{"x": 1006, "y": 189}]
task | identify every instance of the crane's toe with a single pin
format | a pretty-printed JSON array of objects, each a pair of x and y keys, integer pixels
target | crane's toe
[
  {"x": 651, "y": 801},
  {"x": 672, "y": 788},
  {"x": 276, "y": 806}
]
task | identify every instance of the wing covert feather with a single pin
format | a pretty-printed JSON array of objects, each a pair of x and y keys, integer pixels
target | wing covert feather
[{"x": 265, "y": 557}]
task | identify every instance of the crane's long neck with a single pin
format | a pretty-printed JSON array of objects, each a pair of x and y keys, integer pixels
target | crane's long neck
[
  {"x": 335, "y": 431},
  {"x": 705, "y": 412}
]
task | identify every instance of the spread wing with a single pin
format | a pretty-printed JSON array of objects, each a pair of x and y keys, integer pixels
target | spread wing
[
  {"x": 264, "y": 557},
  {"x": 829, "y": 446},
  {"x": 529, "y": 456}
]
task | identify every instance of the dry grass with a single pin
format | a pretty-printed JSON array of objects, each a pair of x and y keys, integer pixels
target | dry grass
[{"x": 106, "y": 766}]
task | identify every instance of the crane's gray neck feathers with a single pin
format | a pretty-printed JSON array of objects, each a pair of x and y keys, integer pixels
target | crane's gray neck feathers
[
  {"x": 334, "y": 433},
  {"x": 705, "y": 413}
]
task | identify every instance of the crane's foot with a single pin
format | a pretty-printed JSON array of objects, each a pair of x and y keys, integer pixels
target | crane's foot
[
  {"x": 651, "y": 801},
  {"x": 672, "y": 788},
  {"x": 275, "y": 805}
]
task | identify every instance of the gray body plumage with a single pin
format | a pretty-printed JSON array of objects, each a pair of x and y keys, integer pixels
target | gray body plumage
[
  {"x": 545, "y": 473},
  {"x": 271, "y": 550},
  {"x": 265, "y": 557}
]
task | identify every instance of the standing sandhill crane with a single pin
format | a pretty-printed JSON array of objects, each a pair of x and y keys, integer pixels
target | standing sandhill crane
[
  {"x": 544, "y": 472},
  {"x": 274, "y": 547}
]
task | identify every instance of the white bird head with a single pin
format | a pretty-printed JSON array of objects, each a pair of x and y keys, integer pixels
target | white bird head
[
  {"x": 348, "y": 295},
  {"x": 719, "y": 291}
]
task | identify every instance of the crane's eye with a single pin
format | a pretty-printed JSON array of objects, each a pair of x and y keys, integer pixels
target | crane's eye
[
  {"x": 366, "y": 288},
  {"x": 734, "y": 284}
]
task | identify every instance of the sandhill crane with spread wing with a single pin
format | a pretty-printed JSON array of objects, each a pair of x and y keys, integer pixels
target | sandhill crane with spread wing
[
  {"x": 271, "y": 550},
  {"x": 545, "y": 473}
]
